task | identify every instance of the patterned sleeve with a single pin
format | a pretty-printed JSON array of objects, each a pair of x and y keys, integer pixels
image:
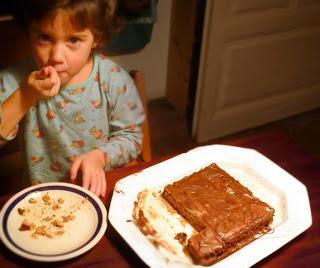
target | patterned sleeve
[
  {"x": 126, "y": 115},
  {"x": 7, "y": 86}
]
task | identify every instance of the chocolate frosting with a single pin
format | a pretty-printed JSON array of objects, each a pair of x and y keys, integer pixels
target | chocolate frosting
[{"x": 224, "y": 212}]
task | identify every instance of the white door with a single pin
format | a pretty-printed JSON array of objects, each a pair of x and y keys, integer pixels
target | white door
[{"x": 260, "y": 61}]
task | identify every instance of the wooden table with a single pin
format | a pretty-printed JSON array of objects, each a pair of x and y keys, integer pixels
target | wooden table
[{"x": 303, "y": 251}]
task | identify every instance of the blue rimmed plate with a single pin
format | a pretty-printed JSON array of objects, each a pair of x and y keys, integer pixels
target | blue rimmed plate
[{"x": 62, "y": 221}]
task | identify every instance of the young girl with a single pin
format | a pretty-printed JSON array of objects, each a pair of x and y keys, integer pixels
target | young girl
[{"x": 78, "y": 112}]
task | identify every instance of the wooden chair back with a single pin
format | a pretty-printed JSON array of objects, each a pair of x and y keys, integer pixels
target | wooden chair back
[{"x": 146, "y": 153}]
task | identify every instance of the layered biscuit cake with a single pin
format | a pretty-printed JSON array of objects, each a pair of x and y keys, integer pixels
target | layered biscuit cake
[{"x": 209, "y": 214}]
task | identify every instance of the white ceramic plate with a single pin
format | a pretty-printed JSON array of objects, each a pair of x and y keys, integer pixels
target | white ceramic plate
[
  {"x": 265, "y": 179},
  {"x": 74, "y": 236}
]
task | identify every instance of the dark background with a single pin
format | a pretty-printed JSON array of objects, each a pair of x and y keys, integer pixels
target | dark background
[{"x": 4, "y": 7}]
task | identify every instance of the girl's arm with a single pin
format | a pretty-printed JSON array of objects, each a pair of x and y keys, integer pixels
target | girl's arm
[
  {"x": 41, "y": 84},
  {"x": 126, "y": 116},
  {"x": 12, "y": 111}
]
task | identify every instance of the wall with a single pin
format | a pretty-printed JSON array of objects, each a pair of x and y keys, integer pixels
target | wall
[{"x": 153, "y": 58}]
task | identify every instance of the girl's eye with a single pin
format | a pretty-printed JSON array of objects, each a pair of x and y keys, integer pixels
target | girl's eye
[
  {"x": 74, "y": 40},
  {"x": 43, "y": 38}
]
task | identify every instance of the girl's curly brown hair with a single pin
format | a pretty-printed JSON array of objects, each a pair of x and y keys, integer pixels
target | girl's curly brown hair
[{"x": 99, "y": 15}]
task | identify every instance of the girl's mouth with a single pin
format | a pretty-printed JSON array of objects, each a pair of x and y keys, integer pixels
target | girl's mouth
[{"x": 61, "y": 72}]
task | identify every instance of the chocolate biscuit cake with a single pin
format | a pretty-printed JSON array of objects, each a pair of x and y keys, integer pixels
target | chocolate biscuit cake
[{"x": 223, "y": 215}]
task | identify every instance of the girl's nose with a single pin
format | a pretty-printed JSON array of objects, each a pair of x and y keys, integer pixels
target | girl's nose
[{"x": 57, "y": 54}]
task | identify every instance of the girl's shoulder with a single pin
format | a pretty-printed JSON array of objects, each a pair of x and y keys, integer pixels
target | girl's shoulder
[{"x": 110, "y": 69}]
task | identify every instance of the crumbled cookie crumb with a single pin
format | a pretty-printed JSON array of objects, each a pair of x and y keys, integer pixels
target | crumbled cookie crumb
[
  {"x": 47, "y": 221},
  {"x": 32, "y": 200},
  {"x": 69, "y": 217},
  {"x": 26, "y": 226},
  {"x": 46, "y": 199},
  {"x": 22, "y": 211}
]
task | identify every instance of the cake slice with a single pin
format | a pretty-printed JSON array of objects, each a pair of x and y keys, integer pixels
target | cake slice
[
  {"x": 162, "y": 225},
  {"x": 225, "y": 213},
  {"x": 201, "y": 218}
]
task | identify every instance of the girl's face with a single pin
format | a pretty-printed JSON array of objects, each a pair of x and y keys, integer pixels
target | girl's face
[{"x": 56, "y": 43}]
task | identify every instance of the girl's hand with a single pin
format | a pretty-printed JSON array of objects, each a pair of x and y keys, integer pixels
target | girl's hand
[
  {"x": 93, "y": 175},
  {"x": 42, "y": 84}
]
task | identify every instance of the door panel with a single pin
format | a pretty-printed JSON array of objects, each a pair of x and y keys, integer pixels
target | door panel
[
  {"x": 247, "y": 5},
  {"x": 259, "y": 63}
]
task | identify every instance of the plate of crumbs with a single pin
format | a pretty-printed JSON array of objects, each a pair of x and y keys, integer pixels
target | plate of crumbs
[
  {"x": 216, "y": 205},
  {"x": 52, "y": 222}
]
